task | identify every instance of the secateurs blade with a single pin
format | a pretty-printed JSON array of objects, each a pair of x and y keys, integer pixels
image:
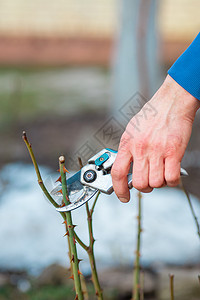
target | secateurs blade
[{"x": 93, "y": 177}]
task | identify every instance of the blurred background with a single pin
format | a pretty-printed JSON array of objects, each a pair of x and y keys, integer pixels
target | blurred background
[{"x": 72, "y": 74}]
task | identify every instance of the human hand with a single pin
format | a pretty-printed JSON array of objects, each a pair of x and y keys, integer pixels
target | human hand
[{"x": 157, "y": 147}]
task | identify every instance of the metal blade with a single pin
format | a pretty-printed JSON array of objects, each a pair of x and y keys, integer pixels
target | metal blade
[
  {"x": 87, "y": 194},
  {"x": 73, "y": 185}
]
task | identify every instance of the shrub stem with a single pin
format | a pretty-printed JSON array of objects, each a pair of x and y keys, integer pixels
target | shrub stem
[
  {"x": 90, "y": 251},
  {"x": 70, "y": 232}
]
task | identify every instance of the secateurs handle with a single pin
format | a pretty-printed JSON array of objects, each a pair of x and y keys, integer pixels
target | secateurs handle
[{"x": 97, "y": 173}]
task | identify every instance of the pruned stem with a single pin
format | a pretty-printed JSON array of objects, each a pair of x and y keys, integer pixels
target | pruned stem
[
  {"x": 191, "y": 208},
  {"x": 94, "y": 203},
  {"x": 171, "y": 278},
  {"x": 70, "y": 232},
  {"x": 136, "y": 283}
]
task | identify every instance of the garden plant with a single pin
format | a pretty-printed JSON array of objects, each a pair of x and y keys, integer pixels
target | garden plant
[{"x": 73, "y": 239}]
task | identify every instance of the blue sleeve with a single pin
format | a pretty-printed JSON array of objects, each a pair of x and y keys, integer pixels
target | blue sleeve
[{"x": 186, "y": 69}]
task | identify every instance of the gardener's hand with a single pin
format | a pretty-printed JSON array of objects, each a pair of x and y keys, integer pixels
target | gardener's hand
[{"x": 157, "y": 145}]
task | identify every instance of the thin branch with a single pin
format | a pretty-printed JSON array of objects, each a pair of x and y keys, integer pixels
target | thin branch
[
  {"x": 40, "y": 181},
  {"x": 80, "y": 162},
  {"x": 94, "y": 203},
  {"x": 98, "y": 289},
  {"x": 81, "y": 243},
  {"x": 171, "y": 277},
  {"x": 191, "y": 208},
  {"x": 45, "y": 191}
]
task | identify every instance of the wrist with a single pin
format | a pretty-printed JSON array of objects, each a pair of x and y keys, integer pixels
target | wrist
[
  {"x": 174, "y": 98},
  {"x": 181, "y": 94}
]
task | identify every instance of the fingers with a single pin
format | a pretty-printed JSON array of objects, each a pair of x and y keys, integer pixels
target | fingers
[
  {"x": 156, "y": 172},
  {"x": 146, "y": 175},
  {"x": 151, "y": 169},
  {"x": 119, "y": 174},
  {"x": 140, "y": 179},
  {"x": 172, "y": 171}
]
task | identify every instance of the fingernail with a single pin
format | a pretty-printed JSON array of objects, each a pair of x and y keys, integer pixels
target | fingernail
[{"x": 123, "y": 199}]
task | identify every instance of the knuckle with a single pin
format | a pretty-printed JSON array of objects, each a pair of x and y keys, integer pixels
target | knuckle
[
  {"x": 174, "y": 146},
  {"x": 171, "y": 150},
  {"x": 124, "y": 142},
  {"x": 141, "y": 146},
  {"x": 156, "y": 147}
]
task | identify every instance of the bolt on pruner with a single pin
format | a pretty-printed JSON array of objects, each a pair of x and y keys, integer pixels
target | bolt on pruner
[{"x": 93, "y": 177}]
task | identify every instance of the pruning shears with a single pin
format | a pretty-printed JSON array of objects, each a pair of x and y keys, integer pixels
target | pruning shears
[{"x": 93, "y": 177}]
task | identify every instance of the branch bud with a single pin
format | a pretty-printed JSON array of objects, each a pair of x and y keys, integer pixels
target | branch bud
[{"x": 62, "y": 159}]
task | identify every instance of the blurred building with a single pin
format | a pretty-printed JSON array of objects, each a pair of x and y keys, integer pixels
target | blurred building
[{"x": 79, "y": 32}]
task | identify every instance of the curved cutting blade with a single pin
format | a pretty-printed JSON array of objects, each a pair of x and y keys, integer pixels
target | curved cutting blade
[
  {"x": 87, "y": 194},
  {"x": 73, "y": 186},
  {"x": 78, "y": 193}
]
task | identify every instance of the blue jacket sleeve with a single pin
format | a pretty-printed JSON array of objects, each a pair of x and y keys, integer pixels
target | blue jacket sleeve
[{"x": 186, "y": 69}]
